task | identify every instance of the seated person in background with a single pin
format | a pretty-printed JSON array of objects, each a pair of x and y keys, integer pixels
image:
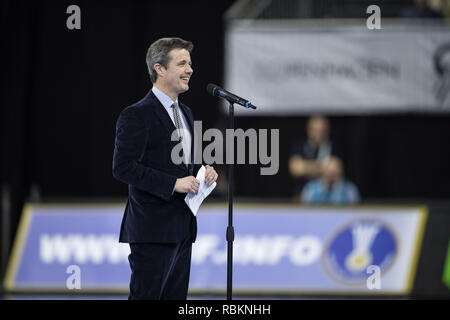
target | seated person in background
[
  {"x": 331, "y": 187},
  {"x": 307, "y": 156}
]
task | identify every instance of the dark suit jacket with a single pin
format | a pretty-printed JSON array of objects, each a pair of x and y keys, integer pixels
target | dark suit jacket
[{"x": 142, "y": 159}]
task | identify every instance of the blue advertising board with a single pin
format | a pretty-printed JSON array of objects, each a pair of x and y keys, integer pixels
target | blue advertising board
[{"x": 278, "y": 249}]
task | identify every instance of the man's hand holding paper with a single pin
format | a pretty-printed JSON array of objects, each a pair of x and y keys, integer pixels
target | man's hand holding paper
[{"x": 207, "y": 177}]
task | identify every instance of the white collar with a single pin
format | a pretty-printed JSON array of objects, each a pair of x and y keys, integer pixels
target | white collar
[{"x": 165, "y": 100}]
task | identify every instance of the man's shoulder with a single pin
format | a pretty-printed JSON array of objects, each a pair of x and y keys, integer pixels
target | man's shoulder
[{"x": 140, "y": 108}]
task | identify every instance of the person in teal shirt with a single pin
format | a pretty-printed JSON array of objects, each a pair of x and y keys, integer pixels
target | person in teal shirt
[{"x": 331, "y": 187}]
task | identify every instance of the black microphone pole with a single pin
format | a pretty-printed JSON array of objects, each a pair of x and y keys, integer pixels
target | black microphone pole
[
  {"x": 231, "y": 98},
  {"x": 230, "y": 229}
]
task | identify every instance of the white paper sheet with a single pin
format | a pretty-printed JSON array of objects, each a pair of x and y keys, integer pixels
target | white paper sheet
[{"x": 195, "y": 200}]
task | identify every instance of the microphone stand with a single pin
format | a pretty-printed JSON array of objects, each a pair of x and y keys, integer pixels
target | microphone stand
[{"x": 230, "y": 229}]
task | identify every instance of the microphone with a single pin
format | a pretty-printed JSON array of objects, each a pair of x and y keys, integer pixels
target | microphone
[{"x": 221, "y": 93}]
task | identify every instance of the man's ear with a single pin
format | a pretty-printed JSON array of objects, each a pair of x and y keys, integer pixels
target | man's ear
[{"x": 159, "y": 68}]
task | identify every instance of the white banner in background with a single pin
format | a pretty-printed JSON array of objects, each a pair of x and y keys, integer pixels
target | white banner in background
[{"x": 288, "y": 71}]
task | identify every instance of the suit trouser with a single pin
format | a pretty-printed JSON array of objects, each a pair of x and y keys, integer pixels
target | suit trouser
[{"x": 160, "y": 271}]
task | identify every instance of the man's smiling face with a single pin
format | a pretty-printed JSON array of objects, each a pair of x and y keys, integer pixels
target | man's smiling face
[{"x": 175, "y": 78}]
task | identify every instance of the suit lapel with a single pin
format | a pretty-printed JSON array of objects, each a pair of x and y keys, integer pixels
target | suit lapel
[
  {"x": 189, "y": 119},
  {"x": 160, "y": 112},
  {"x": 164, "y": 117}
]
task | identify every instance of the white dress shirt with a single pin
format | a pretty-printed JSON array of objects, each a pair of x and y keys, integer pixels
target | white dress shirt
[{"x": 167, "y": 102}]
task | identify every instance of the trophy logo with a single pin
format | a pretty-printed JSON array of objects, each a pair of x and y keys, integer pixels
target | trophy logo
[
  {"x": 356, "y": 247},
  {"x": 360, "y": 257}
]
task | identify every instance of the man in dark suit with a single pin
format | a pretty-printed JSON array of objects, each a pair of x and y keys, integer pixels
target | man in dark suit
[{"x": 157, "y": 223}]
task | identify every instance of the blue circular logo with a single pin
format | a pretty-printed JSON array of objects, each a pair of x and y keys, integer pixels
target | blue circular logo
[{"x": 357, "y": 246}]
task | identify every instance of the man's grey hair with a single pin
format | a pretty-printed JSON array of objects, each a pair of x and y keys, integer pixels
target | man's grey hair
[{"x": 158, "y": 52}]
